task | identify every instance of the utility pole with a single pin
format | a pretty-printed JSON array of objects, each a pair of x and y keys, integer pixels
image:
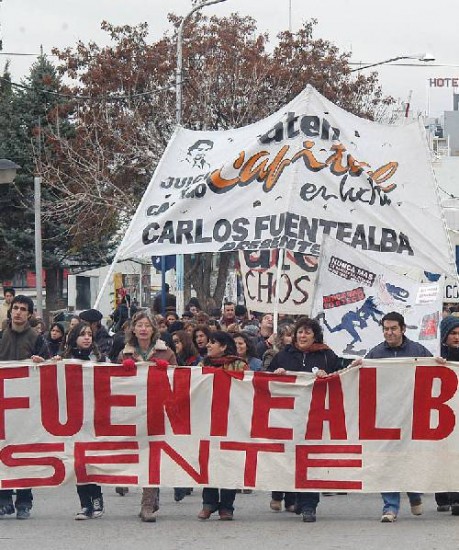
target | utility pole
[
  {"x": 179, "y": 260},
  {"x": 1, "y": 34}
]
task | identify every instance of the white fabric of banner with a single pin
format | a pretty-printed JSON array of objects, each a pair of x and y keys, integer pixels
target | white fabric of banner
[
  {"x": 389, "y": 425},
  {"x": 259, "y": 272},
  {"x": 308, "y": 170},
  {"x": 353, "y": 292}
]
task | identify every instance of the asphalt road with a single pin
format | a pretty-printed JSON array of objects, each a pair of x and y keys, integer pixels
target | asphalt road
[{"x": 343, "y": 522}]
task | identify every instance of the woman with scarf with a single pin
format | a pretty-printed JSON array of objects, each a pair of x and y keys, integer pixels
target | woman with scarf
[
  {"x": 80, "y": 345},
  {"x": 306, "y": 353},
  {"x": 143, "y": 344},
  {"x": 221, "y": 354}
]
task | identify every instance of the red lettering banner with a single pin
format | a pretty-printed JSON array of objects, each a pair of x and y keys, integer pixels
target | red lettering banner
[{"x": 387, "y": 425}]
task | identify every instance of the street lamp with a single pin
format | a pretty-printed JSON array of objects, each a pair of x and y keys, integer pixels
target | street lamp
[
  {"x": 179, "y": 70},
  {"x": 179, "y": 261},
  {"x": 419, "y": 56},
  {"x": 8, "y": 170}
]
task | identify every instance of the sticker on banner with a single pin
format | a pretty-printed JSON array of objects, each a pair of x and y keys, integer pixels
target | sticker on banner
[{"x": 427, "y": 294}]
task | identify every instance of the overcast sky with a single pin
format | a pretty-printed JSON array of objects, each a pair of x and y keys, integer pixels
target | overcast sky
[{"x": 372, "y": 33}]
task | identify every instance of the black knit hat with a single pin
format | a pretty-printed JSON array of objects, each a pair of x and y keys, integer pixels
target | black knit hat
[{"x": 447, "y": 325}]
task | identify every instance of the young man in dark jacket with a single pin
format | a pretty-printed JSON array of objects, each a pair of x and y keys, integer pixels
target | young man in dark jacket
[
  {"x": 20, "y": 341},
  {"x": 396, "y": 344}
]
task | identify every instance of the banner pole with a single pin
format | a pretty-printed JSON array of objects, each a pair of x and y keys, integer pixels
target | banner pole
[{"x": 280, "y": 263}]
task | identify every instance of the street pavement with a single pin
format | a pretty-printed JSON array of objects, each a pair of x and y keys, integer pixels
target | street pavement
[{"x": 343, "y": 522}]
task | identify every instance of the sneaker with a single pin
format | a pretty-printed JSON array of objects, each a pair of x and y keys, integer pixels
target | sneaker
[
  {"x": 443, "y": 508},
  {"x": 23, "y": 512},
  {"x": 455, "y": 509},
  {"x": 84, "y": 513},
  {"x": 417, "y": 509},
  {"x": 309, "y": 516},
  {"x": 388, "y": 517},
  {"x": 98, "y": 507},
  {"x": 6, "y": 509},
  {"x": 225, "y": 515},
  {"x": 291, "y": 508},
  {"x": 276, "y": 505}
]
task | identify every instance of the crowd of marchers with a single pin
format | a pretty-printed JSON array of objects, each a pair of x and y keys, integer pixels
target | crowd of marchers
[{"x": 230, "y": 339}]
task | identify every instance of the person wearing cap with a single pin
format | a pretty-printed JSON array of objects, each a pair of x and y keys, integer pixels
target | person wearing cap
[
  {"x": 449, "y": 337},
  {"x": 101, "y": 337}
]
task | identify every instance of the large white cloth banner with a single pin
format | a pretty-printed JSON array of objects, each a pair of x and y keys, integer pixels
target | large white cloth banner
[
  {"x": 353, "y": 292},
  {"x": 259, "y": 276},
  {"x": 389, "y": 425},
  {"x": 310, "y": 169}
]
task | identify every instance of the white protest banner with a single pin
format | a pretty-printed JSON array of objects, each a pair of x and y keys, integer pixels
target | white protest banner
[
  {"x": 353, "y": 292},
  {"x": 389, "y": 425},
  {"x": 258, "y": 273},
  {"x": 308, "y": 170}
]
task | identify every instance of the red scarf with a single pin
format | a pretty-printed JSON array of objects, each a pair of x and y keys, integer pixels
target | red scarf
[{"x": 315, "y": 347}]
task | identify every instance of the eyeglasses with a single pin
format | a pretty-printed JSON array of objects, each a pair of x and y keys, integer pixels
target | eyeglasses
[
  {"x": 20, "y": 308},
  {"x": 142, "y": 325}
]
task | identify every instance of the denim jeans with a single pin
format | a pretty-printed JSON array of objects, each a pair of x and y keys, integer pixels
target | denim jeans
[
  {"x": 392, "y": 501},
  {"x": 24, "y": 497},
  {"x": 210, "y": 498},
  {"x": 306, "y": 501}
]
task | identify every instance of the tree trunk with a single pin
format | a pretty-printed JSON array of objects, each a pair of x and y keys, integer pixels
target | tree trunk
[
  {"x": 199, "y": 274},
  {"x": 54, "y": 280}
]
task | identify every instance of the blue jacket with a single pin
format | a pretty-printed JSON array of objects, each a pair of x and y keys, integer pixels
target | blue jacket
[{"x": 408, "y": 348}]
